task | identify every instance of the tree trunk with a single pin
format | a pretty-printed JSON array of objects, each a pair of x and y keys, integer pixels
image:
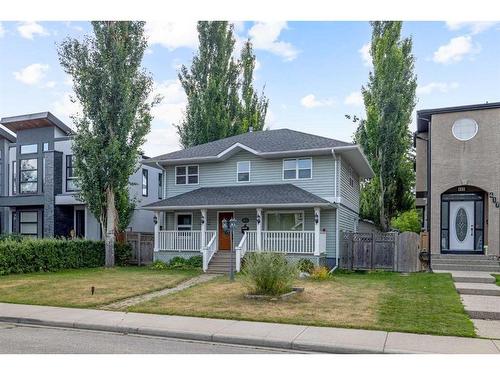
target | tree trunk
[
  {"x": 384, "y": 224},
  {"x": 109, "y": 241}
]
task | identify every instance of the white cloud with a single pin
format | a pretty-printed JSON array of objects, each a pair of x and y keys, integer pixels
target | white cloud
[
  {"x": 472, "y": 27},
  {"x": 355, "y": 98},
  {"x": 65, "y": 107},
  {"x": 50, "y": 84},
  {"x": 366, "y": 56},
  {"x": 32, "y": 74},
  {"x": 163, "y": 137},
  {"x": 172, "y": 35},
  {"x": 310, "y": 101},
  {"x": 29, "y": 30},
  {"x": 2, "y": 30},
  {"x": 456, "y": 49},
  {"x": 265, "y": 36},
  {"x": 442, "y": 87}
]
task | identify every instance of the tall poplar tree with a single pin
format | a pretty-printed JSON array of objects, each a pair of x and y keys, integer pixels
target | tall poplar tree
[
  {"x": 221, "y": 100},
  {"x": 113, "y": 90},
  {"x": 389, "y": 99}
]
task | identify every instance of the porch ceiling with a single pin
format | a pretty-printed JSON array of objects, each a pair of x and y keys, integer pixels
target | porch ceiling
[{"x": 280, "y": 195}]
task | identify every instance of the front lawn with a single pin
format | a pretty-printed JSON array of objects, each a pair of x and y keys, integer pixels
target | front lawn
[
  {"x": 72, "y": 288},
  {"x": 420, "y": 303}
]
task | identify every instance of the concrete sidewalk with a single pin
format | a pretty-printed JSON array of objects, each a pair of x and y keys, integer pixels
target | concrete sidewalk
[{"x": 329, "y": 340}]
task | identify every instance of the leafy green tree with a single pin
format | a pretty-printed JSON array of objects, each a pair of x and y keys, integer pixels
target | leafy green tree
[
  {"x": 221, "y": 98},
  {"x": 253, "y": 107},
  {"x": 113, "y": 90},
  {"x": 407, "y": 221},
  {"x": 389, "y": 99}
]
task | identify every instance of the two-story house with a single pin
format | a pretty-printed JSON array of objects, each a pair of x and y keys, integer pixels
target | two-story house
[
  {"x": 38, "y": 188},
  {"x": 289, "y": 191},
  {"x": 458, "y": 179}
]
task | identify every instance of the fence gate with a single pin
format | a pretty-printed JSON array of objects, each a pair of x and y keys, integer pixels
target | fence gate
[{"x": 142, "y": 247}]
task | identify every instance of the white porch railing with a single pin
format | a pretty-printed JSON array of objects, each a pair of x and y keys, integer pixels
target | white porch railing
[
  {"x": 209, "y": 250},
  {"x": 290, "y": 242},
  {"x": 183, "y": 240},
  {"x": 241, "y": 250}
]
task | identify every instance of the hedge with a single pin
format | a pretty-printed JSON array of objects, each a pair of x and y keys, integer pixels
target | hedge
[{"x": 35, "y": 255}]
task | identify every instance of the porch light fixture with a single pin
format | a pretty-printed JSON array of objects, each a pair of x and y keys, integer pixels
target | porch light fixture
[
  {"x": 316, "y": 218},
  {"x": 202, "y": 219},
  {"x": 258, "y": 219},
  {"x": 155, "y": 220}
]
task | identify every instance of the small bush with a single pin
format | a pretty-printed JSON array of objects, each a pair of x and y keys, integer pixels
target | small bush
[
  {"x": 320, "y": 273},
  {"x": 159, "y": 265},
  {"x": 48, "y": 254},
  {"x": 408, "y": 221},
  {"x": 11, "y": 237},
  {"x": 196, "y": 261},
  {"x": 269, "y": 273},
  {"x": 305, "y": 265}
]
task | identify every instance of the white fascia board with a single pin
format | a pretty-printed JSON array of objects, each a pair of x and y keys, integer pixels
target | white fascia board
[
  {"x": 268, "y": 205},
  {"x": 354, "y": 154}
]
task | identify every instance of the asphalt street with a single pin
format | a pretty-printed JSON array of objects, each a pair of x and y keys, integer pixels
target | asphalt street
[{"x": 27, "y": 339}]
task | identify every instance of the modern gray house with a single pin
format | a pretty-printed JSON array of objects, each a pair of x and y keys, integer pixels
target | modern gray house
[
  {"x": 289, "y": 191},
  {"x": 38, "y": 189}
]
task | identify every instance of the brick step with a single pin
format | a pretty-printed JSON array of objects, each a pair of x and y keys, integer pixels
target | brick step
[
  {"x": 478, "y": 289},
  {"x": 466, "y": 267}
]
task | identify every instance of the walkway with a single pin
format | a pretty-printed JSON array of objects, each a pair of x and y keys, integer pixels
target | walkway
[
  {"x": 123, "y": 304},
  {"x": 287, "y": 336},
  {"x": 481, "y": 298}
]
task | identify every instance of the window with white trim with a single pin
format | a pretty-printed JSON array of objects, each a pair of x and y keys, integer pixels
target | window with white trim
[
  {"x": 285, "y": 220},
  {"x": 28, "y": 223},
  {"x": 160, "y": 183},
  {"x": 28, "y": 176},
  {"x": 297, "y": 169},
  {"x": 145, "y": 183},
  {"x": 243, "y": 171},
  {"x": 186, "y": 175},
  {"x": 184, "y": 222}
]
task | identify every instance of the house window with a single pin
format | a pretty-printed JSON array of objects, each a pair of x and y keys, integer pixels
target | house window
[
  {"x": 185, "y": 222},
  {"x": 351, "y": 178},
  {"x": 71, "y": 180},
  {"x": 186, "y": 175},
  {"x": 243, "y": 170},
  {"x": 294, "y": 169},
  {"x": 145, "y": 182},
  {"x": 29, "y": 149},
  {"x": 45, "y": 146},
  {"x": 286, "y": 220},
  {"x": 160, "y": 190},
  {"x": 28, "y": 223},
  {"x": 14, "y": 178},
  {"x": 28, "y": 176}
]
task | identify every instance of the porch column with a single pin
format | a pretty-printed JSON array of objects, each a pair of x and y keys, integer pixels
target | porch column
[
  {"x": 157, "y": 230},
  {"x": 317, "y": 225},
  {"x": 203, "y": 227},
  {"x": 259, "y": 229}
]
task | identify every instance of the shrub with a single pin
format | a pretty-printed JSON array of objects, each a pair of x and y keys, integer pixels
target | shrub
[
  {"x": 408, "y": 221},
  {"x": 34, "y": 255},
  {"x": 11, "y": 237},
  {"x": 186, "y": 264},
  {"x": 196, "y": 261},
  {"x": 268, "y": 273},
  {"x": 320, "y": 273},
  {"x": 305, "y": 265},
  {"x": 159, "y": 265}
]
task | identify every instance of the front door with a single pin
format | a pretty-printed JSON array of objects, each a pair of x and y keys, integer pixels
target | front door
[
  {"x": 462, "y": 225},
  {"x": 80, "y": 223},
  {"x": 224, "y": 238}
]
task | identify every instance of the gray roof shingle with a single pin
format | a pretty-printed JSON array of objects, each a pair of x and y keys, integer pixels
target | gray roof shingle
[
  {"x": 261, "y": 141},
  {"x": 245, "y": 195}
]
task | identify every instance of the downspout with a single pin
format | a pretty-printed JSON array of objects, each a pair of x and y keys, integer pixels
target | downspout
[{"x": 337, "y": 258}]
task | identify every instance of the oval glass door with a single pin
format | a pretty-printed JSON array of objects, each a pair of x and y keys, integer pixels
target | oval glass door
[{"x": 461, "y": 224}]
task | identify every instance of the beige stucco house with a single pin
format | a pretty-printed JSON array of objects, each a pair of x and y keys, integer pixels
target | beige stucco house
[{"x": 458, "y": 178}]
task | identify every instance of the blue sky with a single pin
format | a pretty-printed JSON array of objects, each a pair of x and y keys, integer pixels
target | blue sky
[{"x": 312, "y": 71}]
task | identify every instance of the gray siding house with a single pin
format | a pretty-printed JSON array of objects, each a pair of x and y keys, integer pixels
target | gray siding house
[
  {"x": 289, "y": 191},
  {"x": 38, "y": 191}
]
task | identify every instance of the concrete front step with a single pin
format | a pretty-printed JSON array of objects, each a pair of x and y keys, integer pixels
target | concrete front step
[
  {"x": 463, "y": 256},
  {"x": 466, "y": 267},
  {"x": 478, "y": 289},
  {"x": 482, "y": 307},
  {"x": 480, "y": 262},
  {"x": 469, "y": 276}
]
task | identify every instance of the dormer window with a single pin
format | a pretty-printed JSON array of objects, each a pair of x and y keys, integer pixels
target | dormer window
[
  {"x": 297, "y": 169},
  {"x": 186, "y": 175},
  {"x": 243, "y": 171}
]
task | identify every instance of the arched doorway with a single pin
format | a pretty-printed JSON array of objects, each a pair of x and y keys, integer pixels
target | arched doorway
[{"x": 463, "y": 220}]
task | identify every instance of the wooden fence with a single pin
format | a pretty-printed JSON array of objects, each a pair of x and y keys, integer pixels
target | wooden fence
[
  {"x": 142, "y": 247},
  {"x": 384, "y": 251}
]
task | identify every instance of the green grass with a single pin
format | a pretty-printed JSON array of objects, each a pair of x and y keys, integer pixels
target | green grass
[
  {"x": 497, "y": 277},
  {"x": 72, "y": 288},
  {"x": 418, "y": 303}
]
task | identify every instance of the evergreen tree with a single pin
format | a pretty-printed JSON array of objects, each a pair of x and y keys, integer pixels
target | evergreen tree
[
  {"x": 389, "y": 99},
  {"x": 113, "y": 90}
]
